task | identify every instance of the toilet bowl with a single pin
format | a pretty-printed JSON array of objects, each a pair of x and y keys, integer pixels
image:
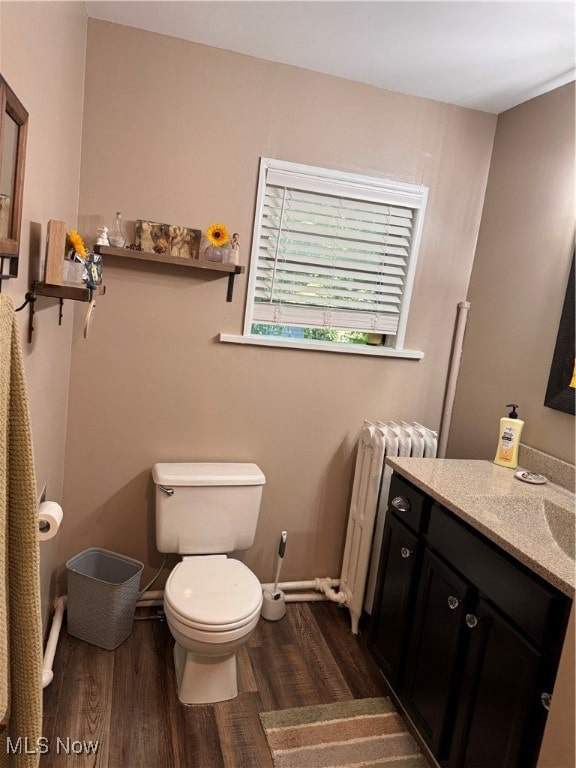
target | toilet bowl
[{"x": 212, "y": 605}]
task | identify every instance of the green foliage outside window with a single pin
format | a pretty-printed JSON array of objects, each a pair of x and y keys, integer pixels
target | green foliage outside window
[{"x": 314, "y": 334}]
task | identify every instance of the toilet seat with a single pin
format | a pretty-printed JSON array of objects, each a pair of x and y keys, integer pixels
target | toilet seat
[{"x": 213, "y": 594}]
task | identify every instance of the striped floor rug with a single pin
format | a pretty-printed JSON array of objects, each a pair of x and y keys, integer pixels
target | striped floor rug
[{"x": 346, "y": 734}]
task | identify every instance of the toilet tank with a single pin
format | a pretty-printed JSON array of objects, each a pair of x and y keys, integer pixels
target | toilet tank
[{"x": 206, "y": 508}]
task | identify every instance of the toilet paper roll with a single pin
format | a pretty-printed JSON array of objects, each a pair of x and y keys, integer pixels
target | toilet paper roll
[{"x": 49, "y": 520}]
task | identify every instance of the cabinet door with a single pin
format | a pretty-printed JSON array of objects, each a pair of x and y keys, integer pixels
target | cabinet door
[
  {"x": 434, "y": 650},
  {"x": 393, "y": 598},
  {"x": 499, "y": 717}
]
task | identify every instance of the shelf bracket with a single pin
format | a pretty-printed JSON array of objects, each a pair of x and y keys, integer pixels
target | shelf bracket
[
  {"x": 230, "y": 290},
  {"x": 231, "y": 277}
]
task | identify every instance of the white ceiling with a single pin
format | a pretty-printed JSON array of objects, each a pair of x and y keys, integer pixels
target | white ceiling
[{"x": 489, "y": 56}]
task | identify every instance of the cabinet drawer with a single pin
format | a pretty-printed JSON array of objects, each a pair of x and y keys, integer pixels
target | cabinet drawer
[
  {"x": 521, "y": 597},
  {"x": 409, "y": 504}
]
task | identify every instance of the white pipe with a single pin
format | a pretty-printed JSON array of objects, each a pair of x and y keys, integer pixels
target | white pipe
[
  {"x": 289, "y": 598},
  {"x": 149, "y": 603},
  {"x": 287, "y": 586},
  {"x": 304, "y": 597},
  {"x": 154, "y": 594},
  {"x": 453, "y": 372},
  {"x": 150, "y": 598},
  {"x": 50, "y": 652},
  {"x": 323, "y": 586}
]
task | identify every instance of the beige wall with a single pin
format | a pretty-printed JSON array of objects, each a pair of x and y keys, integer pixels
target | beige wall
[
  {"x": 42, "y": 56},
  {"x": 519, "y": 281},
  {"x": 173, "y": 131}
]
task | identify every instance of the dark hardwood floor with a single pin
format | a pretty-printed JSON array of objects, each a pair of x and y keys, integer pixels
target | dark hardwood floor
[{"x": 126, "y": 699}]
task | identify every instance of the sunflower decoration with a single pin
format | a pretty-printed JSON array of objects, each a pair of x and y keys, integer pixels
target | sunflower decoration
[
  {"x": 217, "y": 235},
  {"x": 75, "y": 242}
]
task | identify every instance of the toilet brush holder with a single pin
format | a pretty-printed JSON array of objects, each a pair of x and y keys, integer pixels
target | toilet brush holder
[{"x": 273, "y": 604}]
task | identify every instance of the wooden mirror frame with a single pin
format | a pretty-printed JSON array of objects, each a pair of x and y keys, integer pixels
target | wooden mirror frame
[
  {"x": 11, "y": 105},
  {"x": 559, "y": 394}
]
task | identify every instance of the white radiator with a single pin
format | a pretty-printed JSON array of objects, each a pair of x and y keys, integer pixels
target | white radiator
[{"x": 366, "y": 517}]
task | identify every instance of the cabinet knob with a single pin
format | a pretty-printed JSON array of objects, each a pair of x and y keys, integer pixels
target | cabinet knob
[
  {"x": 400, "y": 503},
  {"x": 453, "y": 602},
  {"x": 405, "y": 552},
  {"x": 546, "y": 699},
  {"x": 471, "y": 620}
]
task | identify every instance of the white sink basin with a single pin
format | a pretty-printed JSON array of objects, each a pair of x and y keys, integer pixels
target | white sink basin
[{"x": 520, "y": 510}]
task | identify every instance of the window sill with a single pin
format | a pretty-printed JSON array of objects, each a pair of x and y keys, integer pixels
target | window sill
[{"x": 322, "y": 346}]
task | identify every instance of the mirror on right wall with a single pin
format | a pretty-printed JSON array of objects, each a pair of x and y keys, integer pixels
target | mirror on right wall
[{"x": 561, "y": 390}]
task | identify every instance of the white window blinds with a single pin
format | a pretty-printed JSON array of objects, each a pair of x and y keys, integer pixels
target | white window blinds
[{"x": 333, "y": 250}]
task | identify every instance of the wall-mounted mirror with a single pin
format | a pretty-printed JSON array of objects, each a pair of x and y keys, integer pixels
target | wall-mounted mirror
[
  {"x": 561, "y": 391},
  {"x": 13, "y": 129}
]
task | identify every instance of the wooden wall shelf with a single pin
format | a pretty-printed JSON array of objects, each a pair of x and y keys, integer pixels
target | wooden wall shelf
[
  {"x": 211, "y": 266},
  {"x": 73, "y": 292},
  {"x": 53, "y": 285},
  {"x": 61, "y": 292}
]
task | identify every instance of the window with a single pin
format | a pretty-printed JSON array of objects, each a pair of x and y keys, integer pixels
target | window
[{"x": 333, "y": 257}]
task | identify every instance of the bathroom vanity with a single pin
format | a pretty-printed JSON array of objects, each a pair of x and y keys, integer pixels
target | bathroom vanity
[{"x": 475, "y": 586}]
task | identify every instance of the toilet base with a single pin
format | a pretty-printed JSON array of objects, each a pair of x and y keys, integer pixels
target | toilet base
[{"x": 204, "y": 679}]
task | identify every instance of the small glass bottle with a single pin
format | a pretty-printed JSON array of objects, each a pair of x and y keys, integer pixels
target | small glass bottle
[{"x": 116, "y": 237}]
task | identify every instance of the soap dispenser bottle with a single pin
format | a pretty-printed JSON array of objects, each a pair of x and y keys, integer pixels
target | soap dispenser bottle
[{"x": 509, "y": 439}]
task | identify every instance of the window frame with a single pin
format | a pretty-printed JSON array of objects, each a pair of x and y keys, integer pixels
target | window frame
[{"x": 362, "y": 187}]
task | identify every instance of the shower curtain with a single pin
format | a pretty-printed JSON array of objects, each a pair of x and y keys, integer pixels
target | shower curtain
[{"x": 20, "y": 617}]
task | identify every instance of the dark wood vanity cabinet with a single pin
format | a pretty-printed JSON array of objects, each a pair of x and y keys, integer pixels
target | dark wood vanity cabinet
[{"x": 467, "y": 637}]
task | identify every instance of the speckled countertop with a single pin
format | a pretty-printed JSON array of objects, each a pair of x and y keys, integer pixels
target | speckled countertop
[{"x": 533, "y": 523}]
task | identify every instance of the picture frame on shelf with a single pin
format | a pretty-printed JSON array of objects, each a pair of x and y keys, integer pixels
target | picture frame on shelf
[{"x": 167, "y": 239}]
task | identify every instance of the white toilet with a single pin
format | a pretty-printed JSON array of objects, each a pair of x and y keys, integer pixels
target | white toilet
[{"x": 212, "y": 602}]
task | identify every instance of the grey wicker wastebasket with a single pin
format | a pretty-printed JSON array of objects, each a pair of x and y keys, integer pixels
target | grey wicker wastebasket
[{"x": 102, "y": 595}]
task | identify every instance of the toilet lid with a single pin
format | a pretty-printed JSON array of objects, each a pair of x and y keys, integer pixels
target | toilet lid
[{"x": 213, "y": 592}]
